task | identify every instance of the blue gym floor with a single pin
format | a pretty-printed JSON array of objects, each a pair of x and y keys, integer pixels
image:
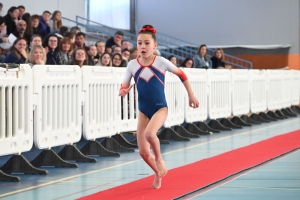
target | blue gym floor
[{"x": 279, "y": 179}]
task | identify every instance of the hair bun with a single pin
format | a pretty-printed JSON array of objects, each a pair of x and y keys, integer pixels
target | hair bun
[{"x": 148, "y": 28}]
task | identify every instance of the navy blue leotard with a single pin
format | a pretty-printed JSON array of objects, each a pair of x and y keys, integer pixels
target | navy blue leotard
[{"x": 150, "y": 83}]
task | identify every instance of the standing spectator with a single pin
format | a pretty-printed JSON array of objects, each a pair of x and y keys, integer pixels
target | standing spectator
[
  {"x": 79, "y": 57},
  {"x": 66, "y": 49},
  {"x": 21, "y": 11},
  {"x": 92, "y": 52},
  {"x": 80, "y": 41},
  {"x": 173, "y": 59},
  {"x": 18, "y": 53},
  {"x": 35, "y": 40},
  {"x": 75, "y": 29},
  {"x": 117, "y": 60},
  {"x": 100, "y": 45},
  {"x": 11, "y": 18},
  {"x": 116, "y": 40},
  {"x": 125, "y": 44},
  {"x": 44, "y": 25},
  {"x": 218, "y": 59},
  {"x": 50, "y": 44},
  {"x": 37, "y": 55},
  {"x": 35, "y": 20},
  {"x": 20, "y": 32},
  {"x": 188, "y": 63},
  {"x": 200, "y": 59},
  {"x": 55, "y": 21},
  {"x": 105, "y": 60}
]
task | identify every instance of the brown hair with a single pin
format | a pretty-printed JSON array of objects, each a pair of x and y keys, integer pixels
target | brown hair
[
  {"x": 222, "y": 52},
  {"x": 75, "y": 62},
  {"x": 66, "y": 40},
  {"x": 56, "y": 24},
  {"x": 148, "y": 29}
]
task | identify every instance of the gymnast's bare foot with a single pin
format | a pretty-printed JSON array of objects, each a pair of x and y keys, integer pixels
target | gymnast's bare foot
[
  {"x": 157, "y": 182},
  {"x": 161, "y": 167}
]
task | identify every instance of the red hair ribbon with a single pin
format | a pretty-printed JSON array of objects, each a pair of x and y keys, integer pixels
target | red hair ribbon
[{"x": 148, "y": 28}]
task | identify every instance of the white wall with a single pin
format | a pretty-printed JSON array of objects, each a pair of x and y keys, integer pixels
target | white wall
[
  {"x": 224, "y": 22},
  {"x": 68, "y": 8}
]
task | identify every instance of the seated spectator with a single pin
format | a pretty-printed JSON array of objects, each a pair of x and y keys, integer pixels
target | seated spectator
[
  {"x": 125, "y": 57},
  {"x": 75, "y": 29},
  {"x": 55, "y": 21},
  {"x": 79, "y": 57},
  {"x": 116, "y": 40},
  {"x": 92, "y": 52},
  {"x": 20, "y": 32},
  {"x": 115, "y": 49},
  {"x": 21, "y": 11},
  {"x": 100, "y": 45},
  {"x": 117, "y": 60},
  {"x": 63, "y": 30},
  {"x": 3, "y": 37},
  {"x": 188, "y": 63},
  {"x": 125, "y": 44},
  {"x": 35, "y": 40},
  {"x": 218, "y": 59},
  {"x": 156, "y": 52},
  {"x": 173, "y": 59},
  {"x": 50, "y": 44},
  {"x": 134, "y": 53},
  {"x": 44, "y": 24},
  {"x": 37, "y": 55},
  {"x": 18, "y": 53},
  {"x": 105, "y": 60},
  {"x": 65, "y": 52},
  {"x": 80, "y": 41},
  {"x": 200, "y": 59},
  {"x": 27, "y": 18},
  {"x": 70, "y": 35},
  {"x": 11, "y": 18},
  {"x": 1, "y": 6},
  {"x": 35, "y": 20}
]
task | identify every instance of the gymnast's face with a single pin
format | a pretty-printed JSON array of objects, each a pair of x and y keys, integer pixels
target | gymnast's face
[{"x": 146, "y": 45}]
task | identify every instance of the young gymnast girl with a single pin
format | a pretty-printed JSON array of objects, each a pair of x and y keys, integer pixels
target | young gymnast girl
[{"x": 149, "y": 75}]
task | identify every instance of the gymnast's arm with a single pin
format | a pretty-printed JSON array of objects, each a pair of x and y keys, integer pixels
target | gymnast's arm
[{"x": 126, "y": 82}]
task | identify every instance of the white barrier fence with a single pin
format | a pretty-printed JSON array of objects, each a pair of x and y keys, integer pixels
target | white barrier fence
[
  {"x": 58, "y": 92},
  {"x": 16, "y": 119}
]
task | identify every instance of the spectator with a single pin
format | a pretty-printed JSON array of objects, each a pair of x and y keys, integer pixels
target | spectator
[
  {"x": 100, "y": 45},
  {"x": 75, "y": 29},
  {"x": 79, "y": 57},
  {"x": 105, "y": 60},
  {"x": 125, "y": 44},
  {"x": 116, "y": 40},
  {"x": 35, "y": 40},
  {"x": 173, "y": 59},
  {"x": 50, "y": 44},
  {"x": 63, "y": 30},
  {"x": 200, "y": 59},
  {"x": 11, "y": 18},
  {"x": 92, "y": 52},
  {"x": 20, "y": 32},
  {"x": 1, "y": 6},
  {"x": 80, "y": 41},
  {"x": 117, "y": 60},
  {"x": 55, "y": 21},
  {"x": 125, "y": 57},
  {"x": 44, "y": 25},
  {"x": 188, "y": 63},
  {"x": 134, "y": 53},
  {"x": 35, "y": 20},
  {"x": 116, "y": 49},
  {"x": 37, "y": 55},
  {"x": 65, "y": 52},
  {"x": 18, "y": 53},
  {"x": 21, "y": 11},
  {"x": 218, "y": 59},
  {"x": 70, "y": 35},
  {"x": 3, "y": 38},
  {"x": 27, "y": 18},
  {"x": 156, "y": 52}
]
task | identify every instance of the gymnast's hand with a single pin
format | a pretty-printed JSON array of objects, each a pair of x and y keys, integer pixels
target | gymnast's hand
[
  {"x": 124, "y": 91},
  {"x": 193, "y": 101}
]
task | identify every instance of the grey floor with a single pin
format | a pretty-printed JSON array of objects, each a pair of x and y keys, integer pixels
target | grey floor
[{"x": 277, "y": 180}]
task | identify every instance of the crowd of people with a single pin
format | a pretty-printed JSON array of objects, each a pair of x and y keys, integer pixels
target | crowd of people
[{"x": 43, "y": 39}]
